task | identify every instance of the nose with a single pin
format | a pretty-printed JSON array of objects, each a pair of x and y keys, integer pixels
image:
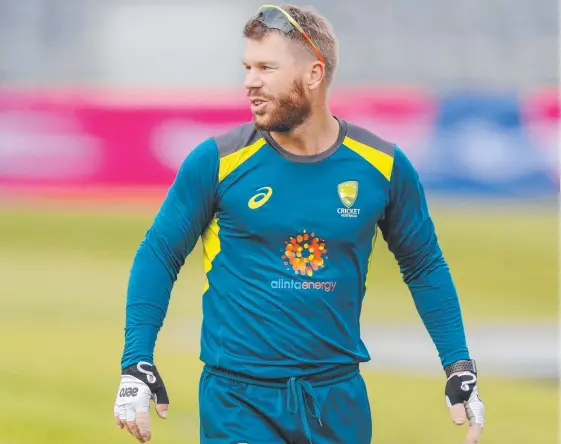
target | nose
[{"x": 252, "y": 79}]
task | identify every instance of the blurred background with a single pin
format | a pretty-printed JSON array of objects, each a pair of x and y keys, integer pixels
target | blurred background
[{"x": 101, "y": 100}]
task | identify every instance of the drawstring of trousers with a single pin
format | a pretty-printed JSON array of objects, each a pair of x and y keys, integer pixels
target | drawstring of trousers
[
  {"x": 297, "y": 389},
  {"x": 295, "y": 401}
]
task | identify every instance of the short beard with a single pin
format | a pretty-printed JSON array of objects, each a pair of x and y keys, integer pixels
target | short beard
[{"x": 291, "y": 110}]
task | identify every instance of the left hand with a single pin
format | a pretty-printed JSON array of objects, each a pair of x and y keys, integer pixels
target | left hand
[{"x": 463, "y": 401}]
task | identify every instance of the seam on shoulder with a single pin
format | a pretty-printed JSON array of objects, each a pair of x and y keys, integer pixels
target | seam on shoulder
[{"x": 236, "y": 139}]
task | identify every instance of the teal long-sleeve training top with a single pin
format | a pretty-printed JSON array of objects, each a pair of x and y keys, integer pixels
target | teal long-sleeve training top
[{"x": 288, "y": 242}]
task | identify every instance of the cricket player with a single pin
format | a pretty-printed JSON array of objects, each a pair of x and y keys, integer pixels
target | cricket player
[{"x": 288, "y": 207}]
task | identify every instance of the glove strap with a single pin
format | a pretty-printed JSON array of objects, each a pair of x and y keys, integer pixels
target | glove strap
[{"x": 463, "y": 365}]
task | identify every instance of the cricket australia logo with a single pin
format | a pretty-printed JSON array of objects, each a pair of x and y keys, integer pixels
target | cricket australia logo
[{"x": 348, "y": 192}]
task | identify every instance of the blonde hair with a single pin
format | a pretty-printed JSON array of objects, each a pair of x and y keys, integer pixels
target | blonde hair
[{"x": 314, "y": 25}]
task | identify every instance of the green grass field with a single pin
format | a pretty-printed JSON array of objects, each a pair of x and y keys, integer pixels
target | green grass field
[{"x": 63, "y": 280}]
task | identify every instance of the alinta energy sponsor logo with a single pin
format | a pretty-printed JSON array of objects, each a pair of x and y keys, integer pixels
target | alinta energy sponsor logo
[{"x": 304, "y": 254}]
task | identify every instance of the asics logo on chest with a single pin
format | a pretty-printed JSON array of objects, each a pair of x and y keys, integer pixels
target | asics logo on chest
[{"x": 260, "y": 199}]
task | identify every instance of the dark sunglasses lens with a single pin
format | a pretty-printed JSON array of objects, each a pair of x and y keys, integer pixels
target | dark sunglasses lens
[{"x": 273, "y": 18}]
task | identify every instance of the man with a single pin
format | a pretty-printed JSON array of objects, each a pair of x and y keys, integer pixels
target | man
[{"x": 288, "y": 208}]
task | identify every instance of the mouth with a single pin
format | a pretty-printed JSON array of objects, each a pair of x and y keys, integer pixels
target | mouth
[{"x": 258, "y": 104}]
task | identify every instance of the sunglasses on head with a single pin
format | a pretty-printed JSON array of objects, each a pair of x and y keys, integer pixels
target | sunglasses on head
[{"x": 274, "y": 17}]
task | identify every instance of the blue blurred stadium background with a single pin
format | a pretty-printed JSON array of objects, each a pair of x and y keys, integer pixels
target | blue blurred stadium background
[{"x": 469, "y": 88}]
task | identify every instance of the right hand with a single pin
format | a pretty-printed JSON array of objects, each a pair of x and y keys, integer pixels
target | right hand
[{"x": 140, "y": 383}]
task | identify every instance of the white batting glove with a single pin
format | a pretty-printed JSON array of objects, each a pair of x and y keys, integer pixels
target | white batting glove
[
  {"x": 463, "y": 401},
  {"x": 140, "y": 384}
]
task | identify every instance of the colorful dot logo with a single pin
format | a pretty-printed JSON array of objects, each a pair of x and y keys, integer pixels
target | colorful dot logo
[{"x": 305, "y": 253}]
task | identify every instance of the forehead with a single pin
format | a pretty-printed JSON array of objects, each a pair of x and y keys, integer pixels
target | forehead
[{"x": 273, "y": 46}]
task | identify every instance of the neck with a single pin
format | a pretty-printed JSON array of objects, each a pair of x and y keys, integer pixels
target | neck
[{"x": 317, "y": 134}]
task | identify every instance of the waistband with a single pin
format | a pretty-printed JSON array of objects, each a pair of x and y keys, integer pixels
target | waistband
[
  {"x": 297, "y": 388},
  {"x": 338, "y": 374}
]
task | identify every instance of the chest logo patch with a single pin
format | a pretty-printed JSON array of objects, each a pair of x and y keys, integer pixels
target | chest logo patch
[
  {"x": 348, "y": 192},
  {"x": 261, "y": 198}
]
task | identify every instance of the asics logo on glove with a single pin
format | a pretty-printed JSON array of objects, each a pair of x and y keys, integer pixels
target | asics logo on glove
[
  {"x": 468, "y": 383},
  {"x": 149, "y": 375},
  {"x": 140, "y": 384}
]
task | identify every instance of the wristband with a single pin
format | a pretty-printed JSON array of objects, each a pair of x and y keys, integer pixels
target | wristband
[{"x": 463, "y": 365}]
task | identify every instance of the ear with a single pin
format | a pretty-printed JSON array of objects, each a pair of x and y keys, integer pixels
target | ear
[{"x": 316, "y": 75}]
